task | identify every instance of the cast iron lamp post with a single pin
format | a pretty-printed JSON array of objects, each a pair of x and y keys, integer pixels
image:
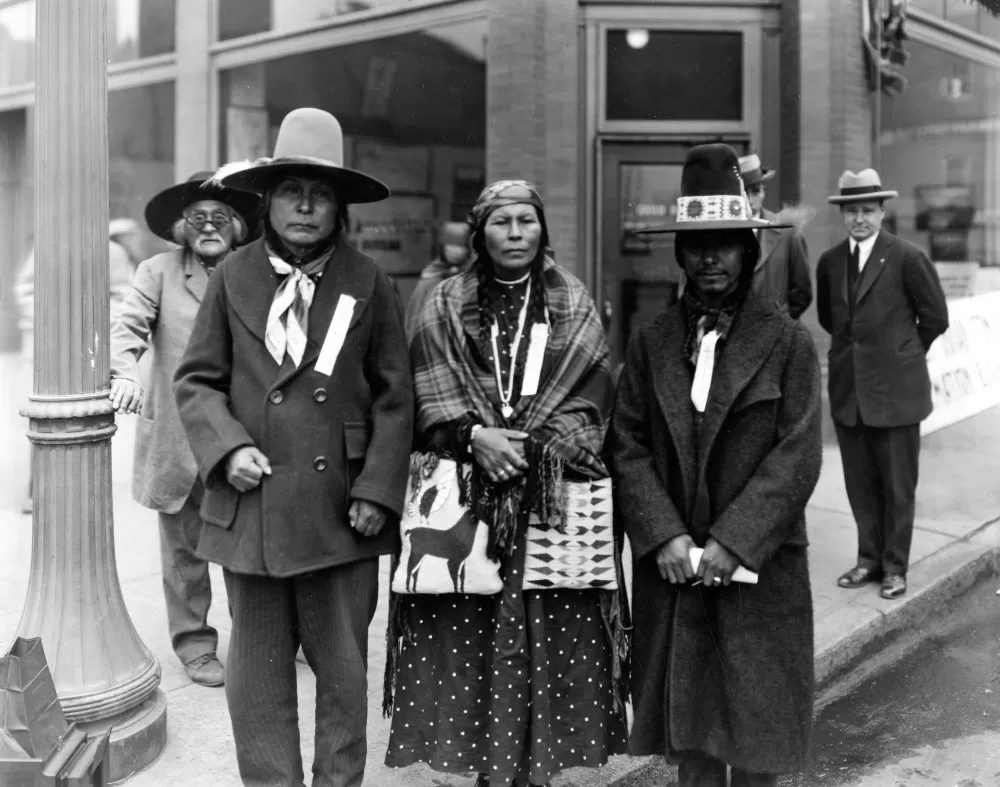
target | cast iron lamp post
[{"x": 105, "y": 676}]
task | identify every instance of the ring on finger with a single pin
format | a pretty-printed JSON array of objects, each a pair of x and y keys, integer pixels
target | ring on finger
[{"x": 717, "y": 580}]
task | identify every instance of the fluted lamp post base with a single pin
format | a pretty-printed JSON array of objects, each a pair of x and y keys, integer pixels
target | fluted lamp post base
[
  {"x": 138, "y": 737},
  {"x": 106, "y": 677}
]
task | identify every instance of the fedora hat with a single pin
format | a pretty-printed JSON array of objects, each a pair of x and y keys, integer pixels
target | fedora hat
[
  {"x": 165, "y": 208},
  {"x": 752, "y": 172},
  {"x": 861, "y": 187},
  {"x": 310, "y": 142},
  {"x": 712, "y": 194}
]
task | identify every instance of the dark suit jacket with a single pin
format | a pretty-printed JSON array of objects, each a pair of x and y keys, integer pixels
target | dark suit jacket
[
  {"x": 781, "y": 278},
  {"x": 329, "y": 439},
  {"x": 878, "y": 370}
]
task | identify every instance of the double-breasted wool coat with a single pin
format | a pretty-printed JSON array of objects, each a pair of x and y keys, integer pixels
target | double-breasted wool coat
[
  {"x": 329, "y": 439},
  {"x": 725, "y": 671},
  {"x": 781, "y": 277},
  {"x": 878, "y": 369},
  {"x": 158, "y": 313}
]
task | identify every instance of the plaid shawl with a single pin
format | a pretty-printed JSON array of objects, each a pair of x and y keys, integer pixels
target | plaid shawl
[{"x": 567, "y": 418}]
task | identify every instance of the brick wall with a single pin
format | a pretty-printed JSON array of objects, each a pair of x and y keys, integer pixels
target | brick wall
[
  {"x": 835, "y": 118},
  {"x": 533, "y": 110}
]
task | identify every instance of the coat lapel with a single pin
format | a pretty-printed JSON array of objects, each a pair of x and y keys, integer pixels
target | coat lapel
[
  {"x": 672, "y": 376},
  {"x": 195, "y": 278},
  {"x": 875, "y": 264},
  {"x": 841, "y": 259},
  {"x": 346, "y": 274},
  {"x": 767, "y": 239},
  {"x": 251, "y": 283},
  {"x": 250, "y": 286},
  {"x": 748, "y": 346}
]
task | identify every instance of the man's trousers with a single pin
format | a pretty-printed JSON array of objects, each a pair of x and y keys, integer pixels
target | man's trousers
[
  {"x": 186, "y": 585},
  {"x": 880, "y": 472},
  {"x": 328, "y": 612}
]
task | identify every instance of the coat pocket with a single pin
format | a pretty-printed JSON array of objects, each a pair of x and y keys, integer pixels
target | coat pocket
[
  {"x": 357, "y": 436},
  {"x": 758, "y": 392},
  {"x": 218, "y": 506}
]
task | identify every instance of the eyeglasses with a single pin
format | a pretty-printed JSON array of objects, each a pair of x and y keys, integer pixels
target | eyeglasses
[{"x": 218, "y": 219}]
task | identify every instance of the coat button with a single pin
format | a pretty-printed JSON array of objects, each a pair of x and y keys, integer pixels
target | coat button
[
  {"x": 276, "y": 397},
  {"x": 319, "y": 464},
  {"x": 320, "y": 394}
]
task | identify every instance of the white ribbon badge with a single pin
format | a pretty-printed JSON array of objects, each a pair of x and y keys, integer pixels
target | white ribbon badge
[
  {"x": 703, "y": 371},
  {"x": 533, "y": 363},
  {"x": 335, "y": 335}
]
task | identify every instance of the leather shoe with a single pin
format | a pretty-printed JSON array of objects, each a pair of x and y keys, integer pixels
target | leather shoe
[
  {"x": 206, "y": 670},
  {"x": 893, "y": 586},
  {"x": 858, "y": 577}
]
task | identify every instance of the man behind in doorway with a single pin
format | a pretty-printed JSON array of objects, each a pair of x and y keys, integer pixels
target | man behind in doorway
[
  {"x": 155, "y": 323},
  {"x": 454, "y": 259},
  {"x": 880, "y": 299},
  {"x": 781, "y": 278}
]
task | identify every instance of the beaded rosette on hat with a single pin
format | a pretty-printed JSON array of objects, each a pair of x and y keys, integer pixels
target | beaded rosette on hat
[
  {"x": 713, "y": 196},
  {"x": 714, "y": 207}
]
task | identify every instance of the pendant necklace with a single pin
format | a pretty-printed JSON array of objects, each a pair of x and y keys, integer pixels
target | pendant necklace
[{"x": 506, "y": 396}]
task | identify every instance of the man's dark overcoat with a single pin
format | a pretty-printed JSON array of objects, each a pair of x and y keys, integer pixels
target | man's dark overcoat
[
  {"x": 877, "y": 358},
  {"x": 329, "y": 439},
  {"x": 781, "y": 277},
  {"x": 724, "y": 671}
]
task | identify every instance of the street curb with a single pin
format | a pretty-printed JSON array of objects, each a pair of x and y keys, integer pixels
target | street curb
[
  {"x": 887, "y": 633},
  {"x": 893, "y": 628}
]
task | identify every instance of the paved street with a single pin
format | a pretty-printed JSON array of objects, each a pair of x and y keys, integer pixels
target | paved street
[
  {"x": 958, "y": 494},
  {"x": 932, "y": 719}
]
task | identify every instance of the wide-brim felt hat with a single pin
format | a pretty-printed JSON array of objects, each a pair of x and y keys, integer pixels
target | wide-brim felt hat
[
  {"x": 753, "y": 172},
  {"x": 165, "y": 208},
  {"x": 864, "y": 186},
  {"x": 310, "y": 142},
  {"x": 712, "y": 195}
]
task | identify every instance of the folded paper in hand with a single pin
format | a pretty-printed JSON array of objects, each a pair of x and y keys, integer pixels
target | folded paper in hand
[{"x": 740, "y": 575}]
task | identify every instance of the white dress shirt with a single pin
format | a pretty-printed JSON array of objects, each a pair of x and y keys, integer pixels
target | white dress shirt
[{"x": 864, "y": 250}]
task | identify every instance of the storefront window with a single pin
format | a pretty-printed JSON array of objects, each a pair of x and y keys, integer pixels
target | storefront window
[
  {"x": 940, "y": 148},
  {"x": 246, "y": 17},
  {"x": 962, "y": 13},
  {"x": 674, "y": 75},
  {"x": 140, "y": 28},
  {"x": 140, "y": 152},
  {"x": 17, "y": 44},
  {"x": 136, "y": 28},
  {"x": 413, "y": 110},
  {"x": 935, "y": 7}
]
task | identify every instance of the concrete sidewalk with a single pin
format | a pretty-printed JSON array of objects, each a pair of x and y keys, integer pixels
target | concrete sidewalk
[{"x": 957, "y": 542}]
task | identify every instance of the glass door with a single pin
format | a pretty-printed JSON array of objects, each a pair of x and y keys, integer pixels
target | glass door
[{"x": 640, "y": 183}]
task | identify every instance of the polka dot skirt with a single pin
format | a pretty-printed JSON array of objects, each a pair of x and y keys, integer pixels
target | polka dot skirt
[{"x": 516, "y": 685}]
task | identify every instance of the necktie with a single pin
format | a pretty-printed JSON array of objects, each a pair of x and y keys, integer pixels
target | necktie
[{"x": 288, "y": 318}]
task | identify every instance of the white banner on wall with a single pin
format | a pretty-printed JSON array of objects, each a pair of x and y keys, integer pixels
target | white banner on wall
[{"x": 964, "y": 363}]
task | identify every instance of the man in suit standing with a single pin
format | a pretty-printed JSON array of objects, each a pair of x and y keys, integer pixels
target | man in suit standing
[
  {"x": 781, "y": 278},
  {"x": 296, "y": 395},
  {"x": 880, "y": 299}
]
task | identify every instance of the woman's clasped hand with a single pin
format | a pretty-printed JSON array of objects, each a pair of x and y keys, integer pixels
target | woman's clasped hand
[{"x": 500, "y": 452}]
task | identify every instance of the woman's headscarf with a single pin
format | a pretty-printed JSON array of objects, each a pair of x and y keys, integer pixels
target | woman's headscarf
[
  {"x": 493, "y": 197},
  {"x": 504, "y": 193}
]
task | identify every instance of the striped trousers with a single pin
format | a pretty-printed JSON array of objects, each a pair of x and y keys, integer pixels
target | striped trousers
[{"x": 328, "y": 612}]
